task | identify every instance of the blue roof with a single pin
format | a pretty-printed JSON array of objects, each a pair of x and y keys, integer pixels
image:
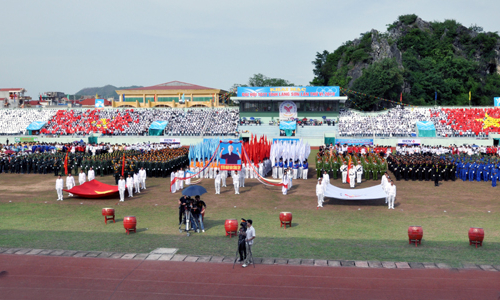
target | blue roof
[
  {"x": 37, "y": 125},
  {"x": 158, "y": 125}
]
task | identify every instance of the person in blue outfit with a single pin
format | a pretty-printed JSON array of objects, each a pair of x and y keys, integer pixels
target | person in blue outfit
[
  {"x": 494, "y": 177},
  {"x": 479, "y": 173},
  {"x": 472, "y": 171}
]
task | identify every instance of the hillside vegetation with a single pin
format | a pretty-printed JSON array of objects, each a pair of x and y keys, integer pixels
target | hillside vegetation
[{"x": 416, "y": 58}]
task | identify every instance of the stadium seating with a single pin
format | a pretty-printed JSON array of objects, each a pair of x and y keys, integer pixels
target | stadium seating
[
  {"x": 191, "y": 122},
  {"x": 467, "y": 122},
  {"x": 15, "y": 121}
]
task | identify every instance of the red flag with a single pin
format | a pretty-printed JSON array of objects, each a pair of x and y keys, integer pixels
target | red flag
[
  {"x": 401, "y": 97},
  {"x": 348, "y": 169},
  {"x": 66, "y": 164},
  {"x": 123, "y": 165}
]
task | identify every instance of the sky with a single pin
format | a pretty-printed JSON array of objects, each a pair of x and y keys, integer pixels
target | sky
[{"x": 61, "y": 45}]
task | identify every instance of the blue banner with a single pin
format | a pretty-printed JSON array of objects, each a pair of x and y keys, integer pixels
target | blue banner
[
  {"x": 354, "y": 141},
  {"x": 289, "y": 91},
  {"x": 292, "y": 125},
  {"x": 286, "y": 140},
  {"x": 497, "y": 101},
  {"x": 99, "y": 103}
]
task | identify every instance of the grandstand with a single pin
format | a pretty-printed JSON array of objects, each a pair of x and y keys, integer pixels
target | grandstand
[{"x": 479, "y": 126}]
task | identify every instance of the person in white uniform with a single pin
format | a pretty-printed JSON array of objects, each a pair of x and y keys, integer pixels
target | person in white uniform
[
  {"x": 173, "y": 185},
  {"x": 121, "y": 188},
  {"x": 130, "y": 186},
  {"x": 359, "y": 172},
  {"x": 392, "y": 195},
  {"x": 137, "y": 183},
  {"x": 326, "y": 178},
  {"x": 343, "y": 169},
  {"x": 236, "y": 183},
  {"x": 70, "y": 183},
  {"x": 261, "y": 169},
  {"x": 223, "y": 176},
  {"x": 181, "y": 175},
  {"x": 284, "y": 180},
  {"x": 385, "y": 184},
  {"x": 91, "y": 175},
  {"x": 352, "y": 177},
  {"x": 217, "y": 182},
  {"x": 142, "y": 177},
  {"x": 82, "y": 177},
  {"x": 242, "y": 178},
  {"x": 59, "y": 188},
  {"x": 320, "y": 193}
]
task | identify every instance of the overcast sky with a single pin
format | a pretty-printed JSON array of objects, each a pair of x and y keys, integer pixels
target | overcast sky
[{"x": 61, "y": 45}]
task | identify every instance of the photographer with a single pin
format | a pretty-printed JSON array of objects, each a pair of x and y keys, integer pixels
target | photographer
[
  {"x": 200, "y": 204},
  {"x": 250, "y": 236},
  {"x": 242, "y": 235},
  {"x": 195, "y": 215},
  {"x": 182, "y": 208}
]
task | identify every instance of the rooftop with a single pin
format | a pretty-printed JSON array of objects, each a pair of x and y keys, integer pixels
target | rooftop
[{"x": 173, "y": 85}]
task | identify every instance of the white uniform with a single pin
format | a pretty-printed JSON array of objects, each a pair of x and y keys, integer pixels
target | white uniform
[
  {"x": 320, "y": 193},
  {"x": 384, "y": 183},
  {"x": 91, "y": 175},
  {"x": 130, "y": 186},
  {"x": 173, "y": 186},
  {"x": 137, "y": 183},
  {"x": 359, "y": 172},
  {"x": 59, "y": 188},
  {"x": 142, "y": 177},
  {"x": 304, "y": 172},
  {"x": 217, "y": 183},
  {"x": 343, "y": 169},
  {"x": 284, "y": 180},
  {"x": 326, "y": 178},
  {"x": 70, "y": 183},
  {"x": 392, "y": 196},
  {"x": 236, "y": 183},
  {"x": 121, "y": 189},
  {"x": 261, "y": 169},
  {"x": 223, "y": 176},
  {"x": 275, "y": 172},
  {"x": 81, "y": 178},
  {"x": 352, "y": 177},
  {"x": 180, "y": 174},
  {"x": 242, "y": 179}
]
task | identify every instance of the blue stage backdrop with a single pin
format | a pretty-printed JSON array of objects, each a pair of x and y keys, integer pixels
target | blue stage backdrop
[{"x": 289, "y": 91}]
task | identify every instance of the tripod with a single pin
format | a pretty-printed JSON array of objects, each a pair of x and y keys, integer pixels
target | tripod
[
  {"x": 248, "y": 253},
  {"x": 187, "y": 220}
]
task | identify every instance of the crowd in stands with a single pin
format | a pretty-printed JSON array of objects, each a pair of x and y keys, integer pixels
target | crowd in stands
[
  {"x": 15, "y": 121},
  {"x": 120, "y": 122},
  {"x": 467, "y": 122},
  {"x": 206, "y": 122},
  {"x": 401, "y": 122},
  {"x": 397, "y": 122}
]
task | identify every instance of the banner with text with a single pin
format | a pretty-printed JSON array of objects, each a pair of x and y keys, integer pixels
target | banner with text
[
  {"x": 230, "y": 156},
  {"x": 366, "y": 142},
  {"x": 288, "y": 110},
  {"x": 25, "y": 139},
  {"x": 288, "y": 91},
  {"x": 170, "y": 141},
  {"x": 497, "y": 101},
  {"x": 409, "y": 141}
]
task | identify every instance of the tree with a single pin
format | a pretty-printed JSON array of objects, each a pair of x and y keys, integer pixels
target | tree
[
  {"x": 262, "y": 80},
  {"x": 381, "y": 79}
]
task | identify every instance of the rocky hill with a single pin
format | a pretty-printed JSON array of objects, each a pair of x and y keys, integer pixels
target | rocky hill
[
  {"x": 106, "y": 91},
  {"x": 416, "y": 58}
]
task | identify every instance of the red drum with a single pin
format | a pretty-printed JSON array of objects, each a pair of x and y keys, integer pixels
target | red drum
[
  {"x": 476, "y": 236},
  {"x": 109, "y": 214},
  {"x": 130, "y": 223},
  {"x": 286, "y": 219},
  {"x": 231, "y": 227},
  {"x": 415, "y": 234}
]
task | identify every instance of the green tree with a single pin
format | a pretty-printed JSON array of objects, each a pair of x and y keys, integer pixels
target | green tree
[{"x": 382, "y": 79}]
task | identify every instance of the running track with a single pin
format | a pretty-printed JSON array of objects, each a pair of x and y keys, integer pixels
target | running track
[{"x": 42, "y": 277}]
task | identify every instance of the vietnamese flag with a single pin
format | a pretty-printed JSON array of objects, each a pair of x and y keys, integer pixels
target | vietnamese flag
[
  {"x": 123, "y": 165},
  {"x": 66, "y": 164},
  {"x": 93, "y": 189},
  {"x": 348, "y": 169}
]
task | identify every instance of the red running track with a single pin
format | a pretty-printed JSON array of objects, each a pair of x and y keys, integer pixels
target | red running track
[{"x": 41, "y": 277}]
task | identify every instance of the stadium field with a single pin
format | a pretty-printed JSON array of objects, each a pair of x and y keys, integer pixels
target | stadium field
[{"x": 30, "y": 217}]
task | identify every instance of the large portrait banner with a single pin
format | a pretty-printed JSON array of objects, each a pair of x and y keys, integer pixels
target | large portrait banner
[{"x": 230, "y": 156}]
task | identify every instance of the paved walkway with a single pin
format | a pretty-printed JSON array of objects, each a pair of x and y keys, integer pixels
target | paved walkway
[
  {"x": 168, "y": 254},
  {"x": 60, "y": 277}
]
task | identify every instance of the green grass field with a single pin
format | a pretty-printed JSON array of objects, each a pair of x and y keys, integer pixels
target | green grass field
[{"x": 30, "y": 217}]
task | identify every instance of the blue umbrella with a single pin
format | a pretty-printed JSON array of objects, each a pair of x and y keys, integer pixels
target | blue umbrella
[
  {"x": 194, "y": 190},
  {"x": 310, "y": 120},
  {"x": 244, "y": 118},
  {"x": 252, "y": 118}
]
